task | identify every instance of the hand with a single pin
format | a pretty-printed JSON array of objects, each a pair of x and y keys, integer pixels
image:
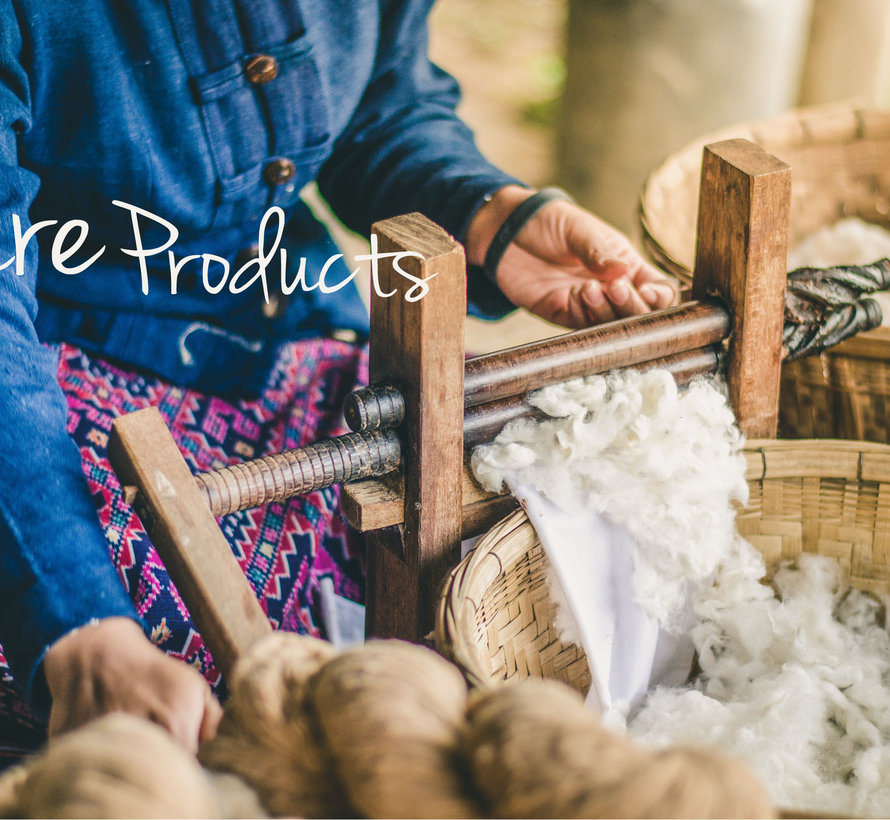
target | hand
[
  {"x": 111, "y": 666},
  {"x": 567, "y": 265}
]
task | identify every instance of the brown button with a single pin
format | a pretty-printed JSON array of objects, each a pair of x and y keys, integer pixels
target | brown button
[
  {"x": 261, "y": 69},
  {"x": 279, "y": 171}
]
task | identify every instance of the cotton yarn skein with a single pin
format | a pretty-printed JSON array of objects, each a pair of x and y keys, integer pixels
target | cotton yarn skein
[
  {"x": 372, "y": 732},
  {"x": 383, "y": 731},
  {"x": 116, "y": 766},
  {"x": 535, "y": 750}
]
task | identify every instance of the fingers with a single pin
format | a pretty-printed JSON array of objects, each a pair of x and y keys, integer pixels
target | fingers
[
  {"x": 212, "y": 716},
  {"x": 659, "y": 295},
  {"x": 604, "y": 302},
  {"x": 595, "y": 304},
  {"x": 626, "y": 300},
  {"x": 631, "y": 284},
  {"x": 193, "y": 718},
  {"x": 186, "y": 706}
]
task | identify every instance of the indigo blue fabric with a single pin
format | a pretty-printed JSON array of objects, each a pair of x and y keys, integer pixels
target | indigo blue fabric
[{"x": 150, "y": 104}]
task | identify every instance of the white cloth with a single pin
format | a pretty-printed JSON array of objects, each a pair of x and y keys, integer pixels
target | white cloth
[{"x": 592, "y": 560}]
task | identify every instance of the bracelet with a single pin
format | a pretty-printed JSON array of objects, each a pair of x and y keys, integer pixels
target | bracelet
[{"x": 514, "y": 223}]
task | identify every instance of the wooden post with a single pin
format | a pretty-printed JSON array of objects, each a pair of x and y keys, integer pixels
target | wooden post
[
  {"x": 418, "y": 347},
  {"x": 178, "y": 520},
  {"x": 741, "y": 257}
]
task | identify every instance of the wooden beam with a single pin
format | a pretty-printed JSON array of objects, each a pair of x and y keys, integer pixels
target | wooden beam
[
  {"x": 376, "y": 503},
  {"x": 741, "y": 256},
  {"x": 418, "y": 347},
  {"x": 185, "y": 534}
]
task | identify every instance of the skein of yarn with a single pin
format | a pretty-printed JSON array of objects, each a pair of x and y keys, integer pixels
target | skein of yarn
[
  {"x": 384, "y": 730},
  {"x": 392, "y": 714},
  {"x": 536, "y": 751},
  {"x": 116, "y": 766},
  {"x": 268, "y": 734},
  {"x": 372, "y": 732},
  {"x": 10, "y": 782}
]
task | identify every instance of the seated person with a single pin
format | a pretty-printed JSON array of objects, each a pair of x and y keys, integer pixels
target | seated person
[{"x": 142, "y": 145}]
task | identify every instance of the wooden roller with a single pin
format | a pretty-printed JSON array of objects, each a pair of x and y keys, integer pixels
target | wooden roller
[
  {"x": 374, "y": 449},
  {"x": 383, "y": 406},
  {"x": 652, "y": 340},
  {"x": 624, "y": 343}
]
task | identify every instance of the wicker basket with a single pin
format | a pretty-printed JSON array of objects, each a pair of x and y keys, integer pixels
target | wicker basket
[
  {"x": 840, "y": 166},
  {"x": 496, "y": 618}
]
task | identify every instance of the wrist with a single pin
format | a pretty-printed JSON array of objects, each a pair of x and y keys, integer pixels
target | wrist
[{"x": 489, "y": 218}]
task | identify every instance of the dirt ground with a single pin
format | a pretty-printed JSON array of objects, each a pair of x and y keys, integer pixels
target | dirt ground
[{"x": 508, "y": 60}]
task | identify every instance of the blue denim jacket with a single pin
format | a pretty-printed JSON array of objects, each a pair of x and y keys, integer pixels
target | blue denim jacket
[{"x": 161, "y": 105}]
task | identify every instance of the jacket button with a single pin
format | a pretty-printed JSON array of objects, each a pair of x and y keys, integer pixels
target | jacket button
[
  {"x": 261, "y": 69},
  {"x": 279, "y": 171}
]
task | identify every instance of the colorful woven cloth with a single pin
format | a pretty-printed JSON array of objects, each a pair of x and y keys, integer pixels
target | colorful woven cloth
[{"x": 284, "y": 549}]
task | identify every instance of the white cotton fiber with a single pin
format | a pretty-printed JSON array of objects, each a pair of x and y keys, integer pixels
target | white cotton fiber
[
  {"x": 795, "y": 677},
  {"x": 663, "y": 463},
  {"x": 849, "y": 241},
  {"x": 795, "y": 682}
]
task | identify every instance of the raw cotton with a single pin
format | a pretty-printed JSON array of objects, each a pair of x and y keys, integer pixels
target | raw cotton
[
  {"x": 849, "y": 241},
  {"x": 663, "y": 463},
  {"x": 794, "y": 677},
  {"x": 794, "y": 681}
]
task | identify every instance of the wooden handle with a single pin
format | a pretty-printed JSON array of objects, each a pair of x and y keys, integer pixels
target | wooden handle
[
  {"x": 302, "y": 470},
  {"x": 184, "y": 532}
]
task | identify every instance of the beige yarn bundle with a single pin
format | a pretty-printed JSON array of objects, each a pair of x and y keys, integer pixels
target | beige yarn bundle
[
  {"x": 535, "y": 753},
  {"x": 119, "y": 766},
  {"x": 373, "y": 732},
  {"x": 384, "y": 730}
]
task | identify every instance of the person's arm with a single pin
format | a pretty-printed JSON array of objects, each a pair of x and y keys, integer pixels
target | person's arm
[
  {"x": 55, "y": 572},
  {"x": 406, "y": 150},
  {"x": 567, "y": 265}
]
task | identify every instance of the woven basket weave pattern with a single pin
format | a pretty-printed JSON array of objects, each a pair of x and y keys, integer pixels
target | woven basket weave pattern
[
  {"x": 828, "y": 497},
  {"x": 843, "y": 393},
  {"x": 840, "y": 166}
]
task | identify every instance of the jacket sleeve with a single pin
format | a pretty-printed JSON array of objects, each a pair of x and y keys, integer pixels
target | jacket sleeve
[
  {"x": 406, "y": 150},
  {"x": 55, "y": 570}
]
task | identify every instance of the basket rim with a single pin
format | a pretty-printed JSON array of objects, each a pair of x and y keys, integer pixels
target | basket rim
[{"x": 841, "y": 122}]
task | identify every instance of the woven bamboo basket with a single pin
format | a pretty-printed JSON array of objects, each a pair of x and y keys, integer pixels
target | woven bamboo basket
[
  {"x": 496, "y": 617},
  {"x": 840, "y": 166}
]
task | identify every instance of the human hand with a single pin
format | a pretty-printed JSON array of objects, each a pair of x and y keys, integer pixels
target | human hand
[
  {"x": 110, "y": 666},
  {"x": 567, "y": 265}
]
